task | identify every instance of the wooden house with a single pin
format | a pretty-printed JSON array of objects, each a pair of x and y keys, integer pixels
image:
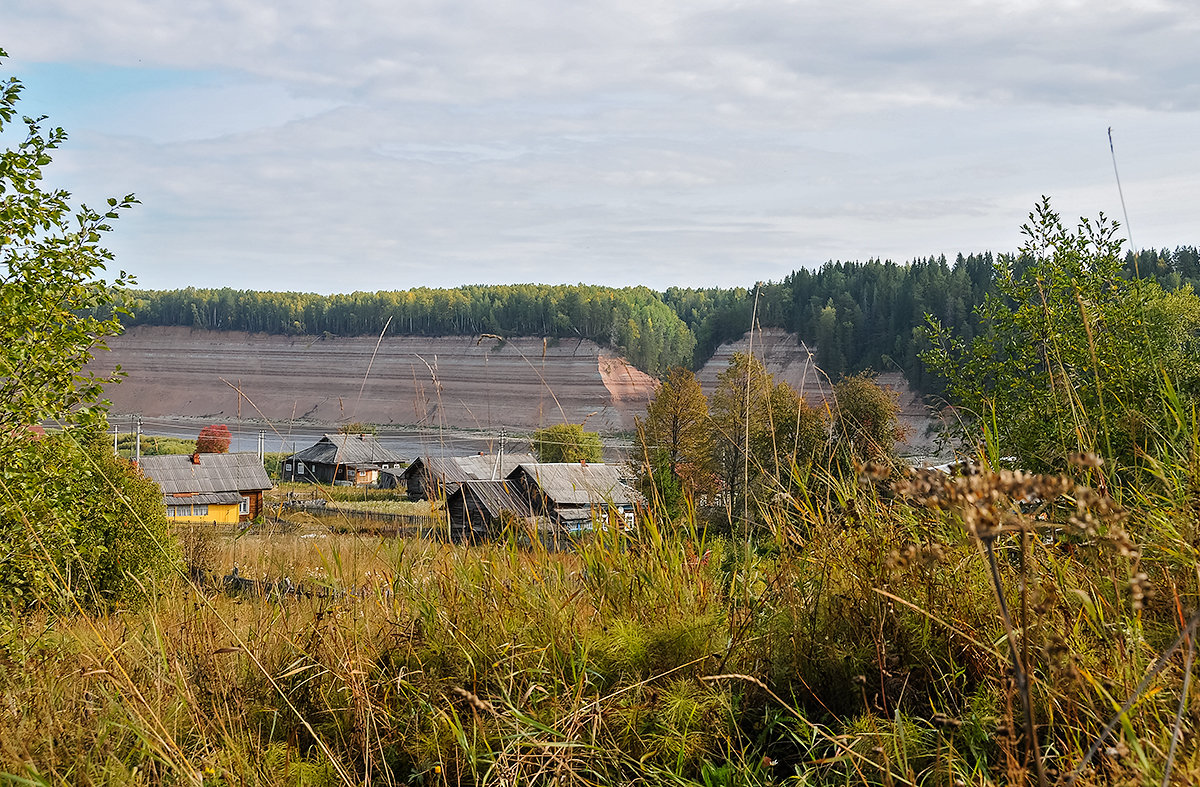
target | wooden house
[
  {"x": 434, "y": 477},
  {"x": 350, "y": 459},
  {"x": 217, "y": 488},
  {"x": 478, "y": 509},
  {"x": 577, "y": 495}
]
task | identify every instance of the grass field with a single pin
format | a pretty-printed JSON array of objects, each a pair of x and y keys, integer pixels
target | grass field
[{"x": 855, "y": 643}]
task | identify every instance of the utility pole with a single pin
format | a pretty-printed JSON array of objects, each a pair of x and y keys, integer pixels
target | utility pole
[
  {"x": 115, "y": 440},
  {"x": 137, "y": 442},
  {"x": 500, "y": 459},
  {"x": 262, "y": 443}
]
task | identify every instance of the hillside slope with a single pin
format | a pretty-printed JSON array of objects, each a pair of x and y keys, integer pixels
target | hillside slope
[
  {"x": 449, "y": 381},
  {"x": 455, "y": 381}
]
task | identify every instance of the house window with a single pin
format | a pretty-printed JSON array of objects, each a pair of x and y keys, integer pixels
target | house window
[
  {"x": 287, "y": 467},
  {"x": 628, "y": 519},
  {"x": 299, "y": 468},
  {"x": 244, "y": 506},
  {"x": 199, "y": 510}
]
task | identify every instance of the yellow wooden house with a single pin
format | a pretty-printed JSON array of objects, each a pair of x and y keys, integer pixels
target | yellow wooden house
[{"x": 210, "y": 488}]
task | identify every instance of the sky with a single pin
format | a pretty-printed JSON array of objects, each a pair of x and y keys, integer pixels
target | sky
[{"x": 387, "y": 144}]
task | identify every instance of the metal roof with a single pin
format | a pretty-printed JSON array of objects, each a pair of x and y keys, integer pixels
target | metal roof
[
  {"x": 497, "y": 497},
  {"x": 476, "y": 467},
  {"x": 215, "y": 474},
  {"x": 578, "y": 483},
  {"x": 347, "y": 449}
]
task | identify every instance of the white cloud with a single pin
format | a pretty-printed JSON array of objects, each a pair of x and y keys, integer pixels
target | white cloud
[{"x": 316, "y": 146}]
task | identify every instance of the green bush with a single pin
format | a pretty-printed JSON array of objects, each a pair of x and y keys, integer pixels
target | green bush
[
  {"x": 567, "y": 443},
  {"x": 79, "y": 525},
  {"x": 76, "y": 523},
  {"x": 1071, "y": 357}
]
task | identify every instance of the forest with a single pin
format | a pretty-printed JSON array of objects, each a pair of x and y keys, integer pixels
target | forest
[{"x": 858, "y": 315}]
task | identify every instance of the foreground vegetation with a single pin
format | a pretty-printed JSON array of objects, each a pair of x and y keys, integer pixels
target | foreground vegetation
[{"x": 861, "y": 642}]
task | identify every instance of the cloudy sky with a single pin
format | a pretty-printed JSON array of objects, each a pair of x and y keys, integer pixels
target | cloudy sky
[{"x": 387, "y": 144}]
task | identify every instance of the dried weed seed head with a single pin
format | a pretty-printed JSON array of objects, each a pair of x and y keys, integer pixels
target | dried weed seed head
[
  {"x": 1087, "y": 461},
  {"x": 1139, "y": 590},
  {"x": 991, "y": 502},
  {"x": 924, "y": 556},
  {"x": 875, "y": 471},
  {"x": 476, "y": 703}
]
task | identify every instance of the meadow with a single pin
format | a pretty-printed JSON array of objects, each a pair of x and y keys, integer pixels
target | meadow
[{"x": 889, "y": 633}]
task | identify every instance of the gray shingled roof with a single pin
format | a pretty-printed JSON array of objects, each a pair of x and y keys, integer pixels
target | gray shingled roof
[
  {"x": 347, "y": 449},
  {"x": 576, "y": 483},
  {"x": 497, "y": 497},
  {"x": 476, "y": 467},
  {"x": 216, "y": 480}
]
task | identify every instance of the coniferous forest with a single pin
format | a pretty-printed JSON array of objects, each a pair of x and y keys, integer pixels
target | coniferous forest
[{"x": 859, "y": 315}]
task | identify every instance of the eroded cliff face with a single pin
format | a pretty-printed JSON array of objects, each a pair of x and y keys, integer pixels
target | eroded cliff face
[
  {"x": 455, "y": 381},
  {"x": 783, "y": 355},
  {"x": 462, "y": 382}
]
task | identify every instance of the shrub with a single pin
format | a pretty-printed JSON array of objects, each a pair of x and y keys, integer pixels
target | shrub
[
  {"x": 1072, "y": 358},
  {"x": 214, "y": 439},
  {"x": 79, "y": 524},
  {"x": 567, "y": 443}
]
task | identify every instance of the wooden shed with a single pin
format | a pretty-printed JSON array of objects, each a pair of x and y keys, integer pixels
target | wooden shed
[
  {"x": 477, "y": 509},
  {"x": 439, "y": 476}
]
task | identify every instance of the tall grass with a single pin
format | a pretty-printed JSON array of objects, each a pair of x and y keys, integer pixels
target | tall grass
[
  {"x": 860, "y": 642},
  {"x": 880, "y": 627}
]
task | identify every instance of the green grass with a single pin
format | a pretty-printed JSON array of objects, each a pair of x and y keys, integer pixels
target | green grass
[
  {"x": 412, "y": 508},
  {"x": 154, "y": 446},
  {"x": 347, "y": 494}
]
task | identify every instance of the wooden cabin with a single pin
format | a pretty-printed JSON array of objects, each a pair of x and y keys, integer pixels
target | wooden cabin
[
  {"x": 349, "y": 459},
  {"x": 577, "y": 495},
  {"x": 435, "y": 477},
  {"x": 215, "y": 488}
]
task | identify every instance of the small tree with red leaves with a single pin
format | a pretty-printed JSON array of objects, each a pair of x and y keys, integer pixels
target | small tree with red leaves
[{"x": 214, "y": 439}]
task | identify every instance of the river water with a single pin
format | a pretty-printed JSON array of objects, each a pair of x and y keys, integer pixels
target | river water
[{"x": 408, "y": 442}]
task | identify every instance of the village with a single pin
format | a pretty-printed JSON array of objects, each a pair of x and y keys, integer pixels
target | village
[{"x": 470, "y": 498}]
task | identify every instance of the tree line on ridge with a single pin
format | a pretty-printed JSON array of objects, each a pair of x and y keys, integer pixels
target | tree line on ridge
[{"x": 858, "y": 315}]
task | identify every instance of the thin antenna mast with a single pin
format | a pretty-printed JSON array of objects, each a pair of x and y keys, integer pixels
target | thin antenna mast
[
  {"x": 746, "y": 433},
  {"x": 1120, "y": 192}
]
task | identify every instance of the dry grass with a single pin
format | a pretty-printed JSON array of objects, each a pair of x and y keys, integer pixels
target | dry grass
[
  {"x": 863, "y": 644},
  {"x": 407, "y": 507}
]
